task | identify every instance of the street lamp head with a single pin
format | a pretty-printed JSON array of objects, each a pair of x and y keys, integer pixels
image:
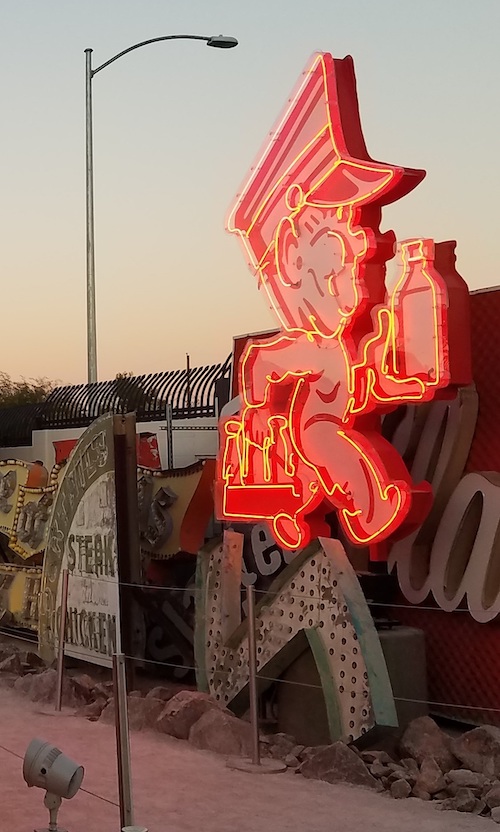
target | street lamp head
[{"x": 222, "y": 42}]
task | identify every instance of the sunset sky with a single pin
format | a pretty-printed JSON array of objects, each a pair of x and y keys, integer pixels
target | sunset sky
[{"x": 176, "y": 128}]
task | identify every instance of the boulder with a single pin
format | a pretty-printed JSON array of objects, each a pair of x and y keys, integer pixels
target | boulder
[
  {"x": 32, "y": 659},
  {"x": 467, "y": 779},
  {"x": 420, "y": 793},
  {"x": 23, "y": 684},
  {"x": 284, "y": 741},
  {"x": 93, "y": 710},
  {"x": 495, "y": 814},
  {"x": 377, "y": 769},
  {"x": 492, "y": 797},
  {"x": 480, "y": 808},
  {"x": 309, "y": 751},
  {"x": 182, "y": 711},
  {"x": 151, "y": 710},
  {"x": 163, "y": 692},
  {"x": 423, "y": 739},
  {"x": 142, "y": 713},
  {"x": 104, "y": 689},
  {"x": 410, "y": 764},
  {"x": 135, "y": 694},
  {"x": 84, "y": 685},
  {"x": 338, "y": 764},
  {"x": 479, "y": 750},
  {"x": 219, "y": 731},
  {"x": 382, "y": 757},
  {"x": 43, "y": 688},
  {"x": 12, "y": 664},
  {"x": 400, "y": 789},
  {"x": 291, "y": 761},
  {"x": 137, "y": 718},
  {"x": 108, "y": 713},
  {"x": 431, "y": 778},
  {"x": 8, "y": 680},
  {"x": 465, "y": 800},
  {"x": 402, "y": 774},
  {"x": 442, "y": 795}
]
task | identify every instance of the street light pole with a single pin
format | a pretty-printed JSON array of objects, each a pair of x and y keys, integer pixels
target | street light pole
[
  {"x": 89, "y": 168},
  {"x": 218, "y": 41}
]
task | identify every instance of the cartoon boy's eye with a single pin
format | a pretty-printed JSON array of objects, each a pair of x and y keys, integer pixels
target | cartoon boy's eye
[{"x": 298, "y": 262}]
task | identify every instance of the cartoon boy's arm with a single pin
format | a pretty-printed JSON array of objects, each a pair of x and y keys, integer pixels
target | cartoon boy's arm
[{"x": 272, "y": 362}]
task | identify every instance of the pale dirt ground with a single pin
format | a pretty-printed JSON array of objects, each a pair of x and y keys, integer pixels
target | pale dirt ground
[{"x": 180, "y": 789}]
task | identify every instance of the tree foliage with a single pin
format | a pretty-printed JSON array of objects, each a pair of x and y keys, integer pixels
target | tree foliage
[{"x": 24, "y": 391}]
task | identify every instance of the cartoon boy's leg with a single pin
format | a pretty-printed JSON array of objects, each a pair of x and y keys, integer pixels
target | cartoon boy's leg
[{"x": 365, "y": 480}]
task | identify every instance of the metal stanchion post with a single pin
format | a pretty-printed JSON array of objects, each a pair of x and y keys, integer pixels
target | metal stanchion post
[
  {"x": 122, "y": 741},
  {"x": 252, "y": 669},
  {"x": 254, "y": 765},
  {"x": 62, "y": 639},
  {"x": 134, "y": 829}
]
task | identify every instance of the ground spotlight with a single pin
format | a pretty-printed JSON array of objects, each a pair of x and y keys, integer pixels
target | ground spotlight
[{"x": 48, "y": 768}]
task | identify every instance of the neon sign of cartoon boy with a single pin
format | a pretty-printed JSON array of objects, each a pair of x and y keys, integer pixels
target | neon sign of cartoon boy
[{"x": 307, "y": 439}]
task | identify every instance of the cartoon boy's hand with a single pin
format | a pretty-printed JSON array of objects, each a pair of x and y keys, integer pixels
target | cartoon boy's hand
[
  {"x": 379, "y": 361},
  {"x": 256, "y": 425}
]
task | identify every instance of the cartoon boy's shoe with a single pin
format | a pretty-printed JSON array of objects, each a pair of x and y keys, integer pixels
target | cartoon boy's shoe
[
  {"x": 383, "y": 518},
  {"x": 290, "y": 532}
]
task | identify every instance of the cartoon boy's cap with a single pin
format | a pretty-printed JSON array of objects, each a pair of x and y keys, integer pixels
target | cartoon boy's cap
[{"x": 316, "y": 154}]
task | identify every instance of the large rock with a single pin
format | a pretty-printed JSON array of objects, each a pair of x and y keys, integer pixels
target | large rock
[
  {"x": 400, "y": 789},
  {"x": 281, "y": 745},
  {"x": 382, "y": 757},
  {"x": 423, "y": 739},
  {"x": 12, "y": 664},
  {"x": 23, "y": 684},
  {"x": 104, "y": 689},
  {"x": 93, "y": 710},
  {"x": 219, "y": 731},
  {"x": 142, "y": 713},
  {"x": 151, "y": 710},
  {"x": 431, "y": 778},
  {"x": 163, "y": 692},
  {"x": 421, "y": 793},
  {"x": 182, "y": 711},
  {"x": 467, "y": 779},
  {"x": 108, "y": 713},
  {"x": 84, "y": 687},
  {"x": 492, "y": 797},
  {"x": 42, "y": 688},
  {"x": 464, "y": 801},
  {"x": 338, "y": 764},
  {"x": 479, "y": 750},
  {"x": 32, "y": 659}
]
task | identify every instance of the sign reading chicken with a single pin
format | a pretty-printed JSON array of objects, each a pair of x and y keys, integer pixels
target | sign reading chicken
[{"x": 307, "y": 438}]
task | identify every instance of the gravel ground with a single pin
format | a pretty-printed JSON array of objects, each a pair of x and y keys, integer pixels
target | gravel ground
[{"x": 180, "y": 789}]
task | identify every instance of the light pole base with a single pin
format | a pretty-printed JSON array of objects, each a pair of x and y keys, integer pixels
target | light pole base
[{"x": 266, "y": 766}]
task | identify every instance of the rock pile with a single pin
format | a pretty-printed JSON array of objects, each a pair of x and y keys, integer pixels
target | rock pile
[{"x": 460, "y": 773}]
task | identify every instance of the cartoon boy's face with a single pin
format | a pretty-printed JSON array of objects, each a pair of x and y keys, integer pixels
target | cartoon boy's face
[{"x": 316, "y": 284}]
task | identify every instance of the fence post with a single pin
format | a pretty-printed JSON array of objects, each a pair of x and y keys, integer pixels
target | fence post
[
  {"x": 252, "y": 668},
  {"x": 170, "y": 438},
  {"x": 122, "y": 741},
  {"x": 62, "y": 639}
]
